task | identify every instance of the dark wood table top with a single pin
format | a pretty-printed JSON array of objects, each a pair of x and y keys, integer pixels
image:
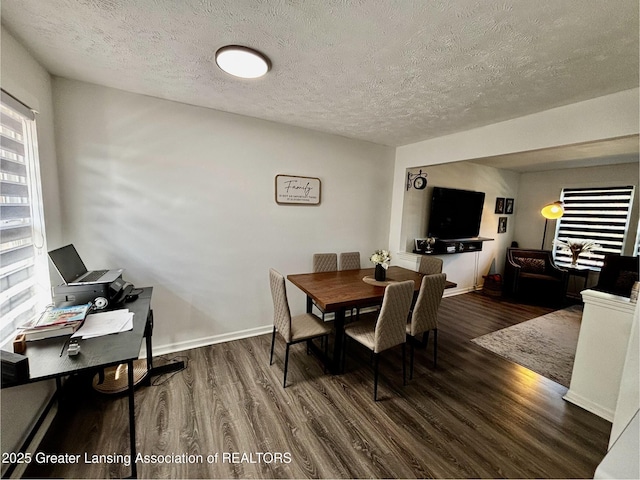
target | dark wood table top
[
  {"x": 333, "y": 291},
  {"x": 48, "y": 358}
]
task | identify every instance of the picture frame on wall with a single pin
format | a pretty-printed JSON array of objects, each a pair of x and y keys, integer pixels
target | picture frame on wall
[
  {"x": 508, "y": 206},
  {"x": 297, "y": 190},
  {"x": 502, "y": 225},
  {"x": 499, "y": 205}
]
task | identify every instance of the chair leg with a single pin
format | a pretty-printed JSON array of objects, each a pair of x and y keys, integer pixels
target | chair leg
[
  {"x": 404, "y": 364},
  {"x": 343, "y": 353},
  {"x": 375, "y": 376},
  {"x": 273, "y": 342},
  {"x": 286, "y": 365},
  {"x": 435, "y": 347},
  {"x": 411, "y": 347}
]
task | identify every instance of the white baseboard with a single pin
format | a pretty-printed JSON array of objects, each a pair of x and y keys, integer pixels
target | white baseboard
[
  {"x": 251, "y": 332},
  {"x": 588, "y": 405},
  {"x": 452, "y": 292},
  {"x": 206, "y": 341}
]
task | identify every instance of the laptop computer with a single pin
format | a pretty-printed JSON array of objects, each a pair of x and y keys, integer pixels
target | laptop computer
[{"x": 73, "y": 271}]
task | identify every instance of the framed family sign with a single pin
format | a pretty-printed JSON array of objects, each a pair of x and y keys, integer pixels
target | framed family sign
[{"x": 295, "y": 190}]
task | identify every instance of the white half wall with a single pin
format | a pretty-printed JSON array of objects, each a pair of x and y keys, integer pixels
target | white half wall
[{"x": 182, "y": 197}]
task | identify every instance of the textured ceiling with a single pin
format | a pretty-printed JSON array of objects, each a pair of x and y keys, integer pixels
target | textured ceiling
[{"x": 390, "y": 72}]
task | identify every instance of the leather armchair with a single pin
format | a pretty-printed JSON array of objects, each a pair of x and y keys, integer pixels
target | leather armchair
[{"x": 532, "y": 276}]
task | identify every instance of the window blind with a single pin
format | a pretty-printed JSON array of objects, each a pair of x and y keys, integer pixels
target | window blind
[
  {"x": 600, "y": 215},
  {"x": 24, "y": 279}
]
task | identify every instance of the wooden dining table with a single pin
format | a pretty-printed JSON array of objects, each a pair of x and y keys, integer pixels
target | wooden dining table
[{"x": 342, "y": 290}]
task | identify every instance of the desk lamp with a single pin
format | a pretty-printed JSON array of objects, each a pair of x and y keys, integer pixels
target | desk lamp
[{"x": 552, "y": 211}]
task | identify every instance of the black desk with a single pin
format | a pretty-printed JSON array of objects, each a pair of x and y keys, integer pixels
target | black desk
[{"x": 48, "y": 358}]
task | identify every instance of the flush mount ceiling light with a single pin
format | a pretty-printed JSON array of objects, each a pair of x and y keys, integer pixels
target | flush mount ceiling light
[{"x": 242, "y": 62}]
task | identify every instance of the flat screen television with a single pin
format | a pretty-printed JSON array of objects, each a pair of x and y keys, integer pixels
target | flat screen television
[{"x": 455, "y": 213}]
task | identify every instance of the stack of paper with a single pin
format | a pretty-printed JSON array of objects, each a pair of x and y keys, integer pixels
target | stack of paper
[{"x": 105, "y": 323}]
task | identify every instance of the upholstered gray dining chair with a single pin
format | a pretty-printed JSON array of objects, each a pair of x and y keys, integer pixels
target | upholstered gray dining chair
[
  {"x": 424, "y": 316},
  {"x": 430, "y": 265},
  {"x": 292, "y": 329},
  {"x": 350, "y": 261},
  {"x": 324, "y": 262},
  {"x": 380, "y": 332}
]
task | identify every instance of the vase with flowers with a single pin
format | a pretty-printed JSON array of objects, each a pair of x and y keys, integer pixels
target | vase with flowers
[
  {"x": 381, "y": 259},
  {"x": 575, "y": 248}
]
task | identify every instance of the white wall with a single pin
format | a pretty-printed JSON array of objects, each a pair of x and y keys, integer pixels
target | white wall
[
  {"x": 26, "y": 80},
  {"x": 540, "y": 188},
  {"x": 466, "y": 269},
  {"x": 601, "y": 118},
  {"x": 183, "y": 198}
]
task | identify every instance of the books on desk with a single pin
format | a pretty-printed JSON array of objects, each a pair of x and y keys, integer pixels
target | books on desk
[{"x": 55, "y": 322}]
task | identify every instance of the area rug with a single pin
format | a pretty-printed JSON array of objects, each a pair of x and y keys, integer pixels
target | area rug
[{"x": 546, "y": 345}]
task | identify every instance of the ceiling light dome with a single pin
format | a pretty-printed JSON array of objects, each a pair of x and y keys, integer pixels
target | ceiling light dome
[{"x": 242, "y": 62}]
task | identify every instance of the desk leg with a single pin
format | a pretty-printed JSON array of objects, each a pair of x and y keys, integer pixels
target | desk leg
[
  {"x": 148, "y": 332},
  {"x": 162, "y": 369},
  {"x": 132, "y": 421}
]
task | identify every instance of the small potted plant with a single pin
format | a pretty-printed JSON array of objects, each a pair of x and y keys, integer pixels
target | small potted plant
[
  {"x": 576, "y": 247},
  {"x": 381, "y": 259}
]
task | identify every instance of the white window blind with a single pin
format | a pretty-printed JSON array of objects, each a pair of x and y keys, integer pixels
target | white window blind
[
  {"x": 24, "y": 277},
  {"x": 597, "y": 214}
]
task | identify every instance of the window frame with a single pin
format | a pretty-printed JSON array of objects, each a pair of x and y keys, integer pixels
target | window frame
[{"x": 32, "y": 272}]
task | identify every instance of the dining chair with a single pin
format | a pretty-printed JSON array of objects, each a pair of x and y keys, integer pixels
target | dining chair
[
  {"x": 380, "y": 332},
  {"x": 350, "y": 261},
  {"x": 424, "y": 316},
  {"x": 430, "y": 265},
  {"x": 324, "y": 262},
  {"x": 299, "y": 328}
]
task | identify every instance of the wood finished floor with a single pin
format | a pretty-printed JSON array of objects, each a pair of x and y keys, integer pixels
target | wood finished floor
[{"x": 475, "y": 416}]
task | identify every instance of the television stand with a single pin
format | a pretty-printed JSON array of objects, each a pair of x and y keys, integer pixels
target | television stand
[{"x": 458, "y": 245}]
